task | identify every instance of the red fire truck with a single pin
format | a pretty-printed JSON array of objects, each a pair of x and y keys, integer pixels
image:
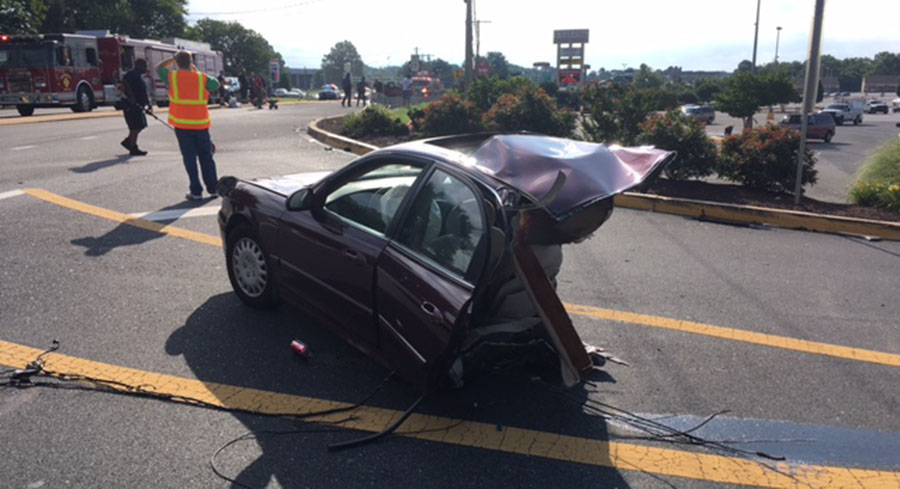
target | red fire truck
[{"x": 83, "y": 70}]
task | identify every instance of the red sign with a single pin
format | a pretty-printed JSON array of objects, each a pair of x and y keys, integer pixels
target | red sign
[{"x": 483, "y": 68}]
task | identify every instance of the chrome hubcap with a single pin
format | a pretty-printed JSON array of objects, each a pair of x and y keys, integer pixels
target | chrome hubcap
[{"x": 249, "y": 266}]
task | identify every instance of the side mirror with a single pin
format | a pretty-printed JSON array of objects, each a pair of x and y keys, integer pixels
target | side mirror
[{"x": 300, "y": 200}]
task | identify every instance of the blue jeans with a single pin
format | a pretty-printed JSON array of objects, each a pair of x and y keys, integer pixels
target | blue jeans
[{"x": 196, "y": 144}]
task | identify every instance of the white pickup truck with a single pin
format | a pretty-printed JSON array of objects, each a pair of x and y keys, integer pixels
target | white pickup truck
[{"x": 846, "y": 111}]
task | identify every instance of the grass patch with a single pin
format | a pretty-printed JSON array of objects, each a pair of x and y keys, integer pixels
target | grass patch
[
  {"x": 878, "y": 181},
  {"x": 403, "y": 112}
]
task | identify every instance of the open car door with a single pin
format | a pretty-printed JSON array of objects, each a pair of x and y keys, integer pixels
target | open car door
[{"x": 426, "y": 275}]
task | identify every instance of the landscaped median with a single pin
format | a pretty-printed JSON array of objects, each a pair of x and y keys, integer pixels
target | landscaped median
[{"x": 711, "y": 211}]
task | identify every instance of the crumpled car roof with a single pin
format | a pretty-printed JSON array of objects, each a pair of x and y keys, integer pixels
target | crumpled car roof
[{"x": 531, "y": 163}]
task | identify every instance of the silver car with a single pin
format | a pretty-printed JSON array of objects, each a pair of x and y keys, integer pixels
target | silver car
[{"x": 703, "y": 113}]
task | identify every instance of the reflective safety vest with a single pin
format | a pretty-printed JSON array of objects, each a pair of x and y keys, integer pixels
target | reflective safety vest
[{"x": 188, "y": 100}]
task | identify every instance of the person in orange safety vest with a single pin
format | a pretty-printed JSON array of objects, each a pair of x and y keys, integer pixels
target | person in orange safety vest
[{"x": 189, "y": 91}]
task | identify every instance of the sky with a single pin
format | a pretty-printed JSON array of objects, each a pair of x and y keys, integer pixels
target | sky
[{"x": 693, "y": 34}]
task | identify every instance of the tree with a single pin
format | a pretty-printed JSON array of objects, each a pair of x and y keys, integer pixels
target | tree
[
  {"x": 135, "y": 18},
  {"x": 776, "y": 88},
  {"x": 444, "y": 70},
  {"x": 646, "y": 78},
  {"x": 745, "y": 66},
  {"x": 244, "y": 49},
  {"x": 706, "y": 88},
  {"x": 740, "y": 97},
  {"x": 499, "y": 65},
  {"x": 333, "y": 62},
  {"x": 22, "y": 16},
  {"x": 886, "y": 63}
]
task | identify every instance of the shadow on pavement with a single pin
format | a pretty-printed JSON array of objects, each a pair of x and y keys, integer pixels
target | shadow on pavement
[
  {"x": 127, "y": 234},
  {"x": 226, "y": 342},
  {"x": 99, "y": 165}
]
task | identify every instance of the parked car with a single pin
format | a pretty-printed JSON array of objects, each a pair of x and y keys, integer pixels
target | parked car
[
  {"x": 895, "y": 105},
  {"x": 700, "y": 112},
  {"x": 876, "y": 106},
  {"x": 849, "y": 111},
  {"x": 819, "y": 126},
  {"x": 329, "y": 91},
  {"x": 292, "y": 93},
  {"x": 437, "y": 258}
]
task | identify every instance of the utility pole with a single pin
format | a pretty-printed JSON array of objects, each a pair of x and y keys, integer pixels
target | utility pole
[
  {"x": 478, "y": 36},
  {"x": 468, "y": 62},
  {"x": 777, "y": 38},
  {"x": 810, "y": 89},
  {"x": 755, "y": 35}
]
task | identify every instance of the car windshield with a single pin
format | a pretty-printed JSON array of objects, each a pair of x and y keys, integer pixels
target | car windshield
[
  {"x": 793, "y": 119},
  {"x": 25, "y": 56},
  {"x": 838, "y": 107},
  {"x": 693, "y": 110}
]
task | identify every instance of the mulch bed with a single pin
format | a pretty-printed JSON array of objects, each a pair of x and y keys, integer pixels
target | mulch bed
[{"x": 698, "y": 190}]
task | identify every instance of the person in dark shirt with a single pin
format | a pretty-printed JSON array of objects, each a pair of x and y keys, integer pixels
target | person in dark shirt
[
  {"x": 136, "y": 101},
  {"x": 361, "y": 91},
  {"x": 223, "y": 96},
  {"x": 347, "y": 85}
]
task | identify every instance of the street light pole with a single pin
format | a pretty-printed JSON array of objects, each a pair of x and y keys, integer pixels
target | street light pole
[
  {"x": 810, "y": 90},
  {"x": 777, "y": 38},
  {"x": 755, "y": 34}
]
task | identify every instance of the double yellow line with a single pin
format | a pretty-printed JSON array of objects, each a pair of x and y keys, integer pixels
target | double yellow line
[{"x": 621, "y": 456}]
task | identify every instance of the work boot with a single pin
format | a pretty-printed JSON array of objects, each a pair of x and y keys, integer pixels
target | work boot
[
  {"x": 126, "y": 144},
  {"x": 137, "y": 152}
]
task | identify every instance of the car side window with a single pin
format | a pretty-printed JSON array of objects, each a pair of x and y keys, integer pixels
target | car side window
[
  {"x": 445, "y": 223},
  {"x": 370, "y": 200}
]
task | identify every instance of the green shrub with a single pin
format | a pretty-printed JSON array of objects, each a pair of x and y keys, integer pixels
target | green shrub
[
  {"x": 766, "y": 158},
  {"x": 878, "y": 183},
  {"x": 485, "y": 91},
  {"x": 449, "y": 115},
  {"x": 530, "y": 110},
  {"x": 675, "y": 131},
  {"x": 374, "y": 120}
]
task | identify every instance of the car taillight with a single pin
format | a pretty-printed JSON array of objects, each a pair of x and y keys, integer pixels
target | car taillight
[{"x": 40, "y": 82}]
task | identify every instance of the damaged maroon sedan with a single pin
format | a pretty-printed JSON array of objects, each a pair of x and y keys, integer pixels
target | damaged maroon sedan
[{"x": 437, "y": 258}]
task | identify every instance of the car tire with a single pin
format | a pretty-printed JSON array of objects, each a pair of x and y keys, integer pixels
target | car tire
[
  {"x": 839, "y": 121},
  {"x": 828, "y": 137},
  {"x": 857, "y": 121},
  {"x": 249, "y": 268},
  {"x": 25, "y": 110}
]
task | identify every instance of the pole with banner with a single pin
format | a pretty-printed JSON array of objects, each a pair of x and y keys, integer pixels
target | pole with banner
[{"x": 274, "y": 71}]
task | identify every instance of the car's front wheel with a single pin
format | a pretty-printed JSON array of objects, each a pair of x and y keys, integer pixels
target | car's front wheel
[
  {"x": 828, "y": 136},
  {"x": 248, "y": 268}
]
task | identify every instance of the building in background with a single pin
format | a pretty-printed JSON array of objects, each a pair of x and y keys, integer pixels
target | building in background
[{"x": 301, "y": 78}]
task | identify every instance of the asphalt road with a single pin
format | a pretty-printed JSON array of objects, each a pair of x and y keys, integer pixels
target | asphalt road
[
  {"x": 113, "y": 293},
  {"x": 838, "y": 161}
]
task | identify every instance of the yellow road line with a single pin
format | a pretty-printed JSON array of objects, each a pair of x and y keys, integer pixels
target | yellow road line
[
  {"x": 774, "y": 341},
  {"x": 123, "y": 218},
  {"x": 520, "y": 441}
]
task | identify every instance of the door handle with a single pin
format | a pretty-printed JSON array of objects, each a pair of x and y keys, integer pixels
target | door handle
[
  {"x": 354, "y": 256},
  {"x": 432, "y": 312}
]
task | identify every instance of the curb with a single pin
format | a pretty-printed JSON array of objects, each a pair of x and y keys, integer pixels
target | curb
[
  {"x": 698, "y": 209},
  {"x": 14, "y": 121}
]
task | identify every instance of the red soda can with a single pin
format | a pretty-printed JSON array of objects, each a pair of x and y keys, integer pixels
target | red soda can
[{"x": 300, "y": 349}]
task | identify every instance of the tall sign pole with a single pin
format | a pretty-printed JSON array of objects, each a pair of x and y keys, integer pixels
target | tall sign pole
[
  {"x": 809, "y": 89},
  {"x": 468, "y": 63}
]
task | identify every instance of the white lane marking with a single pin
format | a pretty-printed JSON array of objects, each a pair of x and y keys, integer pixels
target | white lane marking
[
  {"x": 88, "y": 138},
  {"x": 175, "y": 214},
  {"x": 20, "y": 148},
  {"x": 11, "y": 193}
]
